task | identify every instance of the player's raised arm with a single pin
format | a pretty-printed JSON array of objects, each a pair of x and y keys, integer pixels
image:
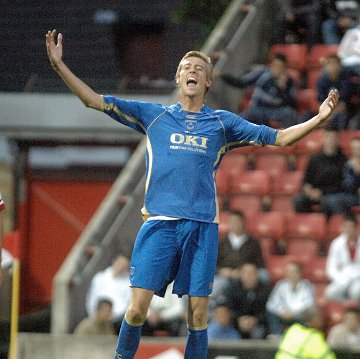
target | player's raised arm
[
  {"x": 54, "y": 49},
  {"x": 294, "y": 133}
]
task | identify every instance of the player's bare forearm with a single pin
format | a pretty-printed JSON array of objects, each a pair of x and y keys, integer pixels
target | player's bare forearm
[
  {"x": 86, "y": 94},
  {"x": 292, "y": 134}
]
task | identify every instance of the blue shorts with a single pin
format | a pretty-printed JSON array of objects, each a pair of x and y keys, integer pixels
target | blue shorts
[{"x": 182, "y": 250}]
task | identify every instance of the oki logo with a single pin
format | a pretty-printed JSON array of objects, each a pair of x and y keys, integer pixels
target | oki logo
[{"x": 195, "y": 141}]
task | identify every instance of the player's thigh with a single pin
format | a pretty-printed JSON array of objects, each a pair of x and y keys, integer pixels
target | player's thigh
[
  {"x": 196, "y": 273},
  {"x": 154, "y": 260}
]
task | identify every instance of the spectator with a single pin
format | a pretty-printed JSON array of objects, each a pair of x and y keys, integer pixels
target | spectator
[
  {"x": 290, "y": 299},
  {"x": 221, "y": 325},
  {"x": 239, "y": 248},
  {"x": 2, "y": 207},
  {"x": 98, "y": 324},
  {"x": 349, "y": 48},
  {"x": 113, "y": 284},
  {"x": 334, "y": 75},
  {"x": 297, "y": 21},
  {"x": 246, "y": 296},
  {"x": 343, "y": 263},
  {"x": 351, "y": 179},
  {"x": 340, "y": 16},
  {"x": 165, "y": 315},
  {"x": 346, "y": 333},
  {"x": 323, "y": 177},
  {"x": 305, "y": 341},
  {"x": 274, "y": 98}
]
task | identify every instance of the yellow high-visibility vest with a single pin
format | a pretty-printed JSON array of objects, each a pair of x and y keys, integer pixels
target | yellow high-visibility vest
[{"x": 300, "y": 342}]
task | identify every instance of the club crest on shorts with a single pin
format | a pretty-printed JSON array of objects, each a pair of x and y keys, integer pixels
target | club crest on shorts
[
  {"x": 132, "y": 271},
  {"x": 190, "y": 123}
]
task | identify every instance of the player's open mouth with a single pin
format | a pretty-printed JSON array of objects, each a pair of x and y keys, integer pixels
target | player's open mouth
[{"x": 191, "y": 81}]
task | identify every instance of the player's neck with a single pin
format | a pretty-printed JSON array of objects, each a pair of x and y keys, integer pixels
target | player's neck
[{"x": 191, "y": 104}]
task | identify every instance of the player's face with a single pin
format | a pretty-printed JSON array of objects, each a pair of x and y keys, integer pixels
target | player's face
[{"x": 192, "y": 77}]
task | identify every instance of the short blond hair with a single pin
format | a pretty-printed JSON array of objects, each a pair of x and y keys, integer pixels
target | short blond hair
[{"x": 202, "y": 56}]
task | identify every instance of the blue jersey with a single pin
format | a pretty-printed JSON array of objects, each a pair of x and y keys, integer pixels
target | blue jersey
[{"x": 184, "y": 150}]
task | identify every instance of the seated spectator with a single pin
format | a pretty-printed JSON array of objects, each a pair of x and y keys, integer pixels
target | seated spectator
[
  {"x": 343, "y": 263},
  {"x": 334, "y": 75},
  {"x": 221, "y": 325},
  {"x": 347, "y": 333},
  {"x": 322, "y": 181},
  {"x": 351, "y": 179},
  {"x": 238, "y": 248},
  {"x": 113, "y": 284},
  {"x": 305, "y": 341},
  {"x": 165, "y": 315},
  {"x": 349, "y": 48},
  {"x": 340, "y": 16},
  {"x": 246, "y": 296},
  {"x": 289, "y": 300},
  {"x": 98, "y": 324},
  {"x": 274, "y": 98},
  {"x": 297, "y": 21}
]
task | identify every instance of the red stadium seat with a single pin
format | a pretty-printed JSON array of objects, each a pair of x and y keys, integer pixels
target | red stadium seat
[
  {"x": 267, "y": 225},
  {"x": 296, "y": 54},
  {"x": 250, "y": 182},
  {"x": 312, "y": 77},
  {"x": 315, "y": 270},
  {"x": 318, "y": 52},
  {"x": 247, "y": 203},
  {"x": 320, "y": 295},
  {"x": 312, "y": 143},
  {"x": 306, "y": 100},
  {"x": 334, "y": 226},
  {"x": 306, "y": 225},
  {"x": 234, "y": 162},
  {"x": 273, "y": 164},
  {"x": 224, "y": 223},
  {"x": 345, "y": 139},
  {"x": 276, "y": 265},
  {"x": 267, "y": 246},
  {"x": 222, "y": 182},
  {"x": 303, "y": 248},
  {"x": 286, "y": 183},
  {"x": 301, "y": 162},
  {"x": 282, "y": 203},
  {"x": 269, "y": 150},
  {"x": 334, "y": 310}
]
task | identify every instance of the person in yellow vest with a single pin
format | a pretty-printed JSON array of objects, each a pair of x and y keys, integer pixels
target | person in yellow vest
[{"x": 305, "y": 341}]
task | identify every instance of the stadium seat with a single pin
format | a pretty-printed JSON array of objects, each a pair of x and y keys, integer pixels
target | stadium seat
[
  {"x": 312, "y": 77},
  {"x": 282, "y": 203},
  {"x": 304, "y": 248},
  {"x": 276, "y": 264},
  {"x": 250, "y": 182},
  {"x": 269, "y": 150},
  {"x": 315, "y": 270},
  {"x": 334, "y": 226},
  {"x": 267, "y": 246},
  {"x": 296, "y": 75},
  {"x": 247, "y": 203},
  {"x": 334, "y": 310},
  {"x": 345, "y": 139},
  {"x": 224, "y": 223},
  {"x": 273, "y": 164},
  {"x": 296, "y": 54},
  {"x": 306, "y": 100},
  {"x": 267, "y": 225},
  {"x": 301, "y": 162},
  {"x": 286, "y": 183},
  {"x": 312, "y": 143},
  {"x": 306, "y": 225},
  {"x": 319, "y": 52},
  {"x": 222, "y": 182},
  {"x": 320, "y": 295}
]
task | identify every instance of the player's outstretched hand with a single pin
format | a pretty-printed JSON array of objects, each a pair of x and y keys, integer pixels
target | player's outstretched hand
[
  {"x": 54, "y": 50},
  {"x": 328, "y": 106}
]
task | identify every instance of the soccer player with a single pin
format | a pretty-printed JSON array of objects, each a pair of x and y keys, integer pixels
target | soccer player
[{"x": 185, "y": 144}]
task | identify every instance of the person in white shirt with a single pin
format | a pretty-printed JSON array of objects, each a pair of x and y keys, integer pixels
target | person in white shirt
[
  {"x": 349, "y": 49},
  {"x": 112, "y": 284},
  {"x": 347, "y": 332},
  {"x": 343, "y": 263},
  {"x": 290, "y": 299},
  {"x": 166, "y": 315}
]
